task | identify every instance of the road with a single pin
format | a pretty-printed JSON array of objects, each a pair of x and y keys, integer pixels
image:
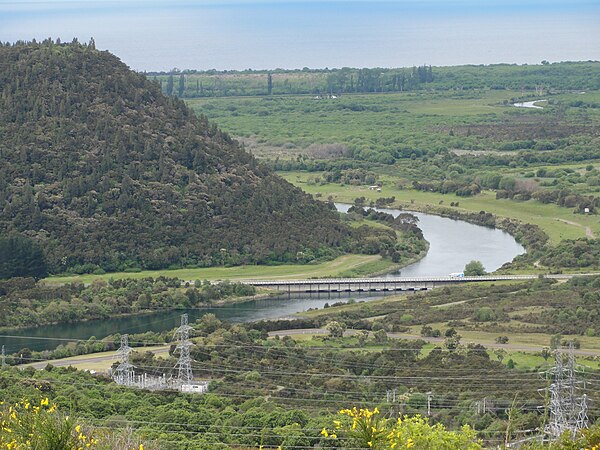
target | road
[
  {"x": 588, "y": 231},
  {"x": 100, "y": 362}
]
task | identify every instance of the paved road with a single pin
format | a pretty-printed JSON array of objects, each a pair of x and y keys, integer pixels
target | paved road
[
  {"x": 429, "y": 279},
  {"x": 93, "y": 358}
]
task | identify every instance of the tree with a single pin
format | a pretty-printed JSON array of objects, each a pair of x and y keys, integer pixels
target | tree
[
  {"x": 452, "y": 343},
  {"x": 269, "y": 83},
  {"x": 484, "y": 314},
  {"x": 502, "y": 340},
  {"x": 336, "y": 329},
  {"x": 546, "y": 353},
  {"x": 555, "y": 341},
  {"x": 170, "y": 85},
  {"x": 380, "y": 336},
  {"x": 20, "y": 256},
  {"x": 500, "y": 354},
  {"x": 181, "y": 89},
  {"x": 474, "y": 268},
  {"x": 362, "y": 336}
]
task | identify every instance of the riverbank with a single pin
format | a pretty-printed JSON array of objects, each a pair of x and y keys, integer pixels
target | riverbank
[{"x": 393, "y": 269}]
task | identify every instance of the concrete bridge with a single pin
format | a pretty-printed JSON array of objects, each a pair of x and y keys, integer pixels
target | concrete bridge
[{"x": 382, "y": 284}]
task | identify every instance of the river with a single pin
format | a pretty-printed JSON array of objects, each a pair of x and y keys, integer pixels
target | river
[
  {"x": 529, "y": 104},
  {"x": 453, "y": 243},
  {"x": 50, "y": 336}
]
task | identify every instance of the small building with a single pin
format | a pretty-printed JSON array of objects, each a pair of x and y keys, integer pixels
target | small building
[{"x": 198, "y": 387}]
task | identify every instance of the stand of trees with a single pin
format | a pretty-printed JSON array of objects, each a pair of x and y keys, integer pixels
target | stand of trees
[{"x": 21, "y": 257}]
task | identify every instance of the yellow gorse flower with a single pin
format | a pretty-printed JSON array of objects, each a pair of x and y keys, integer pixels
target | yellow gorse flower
[{"x": 24, "y": 424}]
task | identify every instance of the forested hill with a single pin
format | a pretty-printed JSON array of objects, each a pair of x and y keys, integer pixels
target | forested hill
[{"x": 101, "y": 169}]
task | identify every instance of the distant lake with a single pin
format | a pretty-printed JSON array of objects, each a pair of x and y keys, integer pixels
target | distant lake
[{"x": 160, "y": 35}]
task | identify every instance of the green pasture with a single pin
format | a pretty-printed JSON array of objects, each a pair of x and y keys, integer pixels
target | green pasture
[
  {"x": 285, "y": 126},
  {"x": 342, "y": 266},
  {"x": 554, "y": 220}
]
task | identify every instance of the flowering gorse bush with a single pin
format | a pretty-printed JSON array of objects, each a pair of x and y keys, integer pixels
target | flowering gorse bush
[
  {"x": 365, "y": 428},
  {"x": 37, "y": 424}
]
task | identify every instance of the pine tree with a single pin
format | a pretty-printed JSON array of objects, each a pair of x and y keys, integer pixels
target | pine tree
[
  {"x": 170, "y": 85},
  {"x": 181, "y": 89},
  {"x": 269, "y": 83}
]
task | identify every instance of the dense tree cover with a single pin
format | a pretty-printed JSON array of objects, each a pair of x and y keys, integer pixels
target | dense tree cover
[
  {"x": 21, "y": 257},
  {"x": 24, "y": 302},
  {"x": 212, "y": 83},
  {"x": 401, "y": 240},
  {"x": 573, "y": 253},
  {"x": 105, "y": 172}
]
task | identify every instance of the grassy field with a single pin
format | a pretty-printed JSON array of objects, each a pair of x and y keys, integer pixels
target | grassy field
[
  {"x": 523, "y": 360},
  {"x": 381, "y": 128},
  {"x": 554, "y": 220},
  {"x": 374, "y": 127},
  {"x": 366, "y": 124},
  {"x": 346, "y": 265}
]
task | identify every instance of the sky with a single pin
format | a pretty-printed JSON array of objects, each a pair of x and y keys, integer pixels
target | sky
[{"x": 155, "y": 35}]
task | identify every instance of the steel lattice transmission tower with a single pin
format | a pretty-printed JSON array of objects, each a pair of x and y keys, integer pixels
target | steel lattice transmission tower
[
  {"x": 568, "y": 410},
  {"x": 124, "y": 373},
  {"x": 184, "y": 364}
]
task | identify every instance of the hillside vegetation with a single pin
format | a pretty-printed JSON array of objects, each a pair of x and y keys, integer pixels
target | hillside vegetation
[{"x": 106, "y": 173}]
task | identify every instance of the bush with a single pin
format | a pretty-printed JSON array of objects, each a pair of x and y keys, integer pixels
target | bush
[{"x": 474, "y": 268}]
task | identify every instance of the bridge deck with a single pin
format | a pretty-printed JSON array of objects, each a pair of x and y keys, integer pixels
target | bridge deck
[{"x": 384, "y": 284}]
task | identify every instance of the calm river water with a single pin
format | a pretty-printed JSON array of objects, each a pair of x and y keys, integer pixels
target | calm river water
[{"x": 453, "y": 243}]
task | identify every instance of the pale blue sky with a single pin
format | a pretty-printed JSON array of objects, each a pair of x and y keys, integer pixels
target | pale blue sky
[{"x": 160, "y": 35}]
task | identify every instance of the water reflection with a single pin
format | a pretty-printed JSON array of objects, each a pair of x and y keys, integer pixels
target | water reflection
[
  {"x": 271, "y": 308},
  {"x": 454, "y": 243}
]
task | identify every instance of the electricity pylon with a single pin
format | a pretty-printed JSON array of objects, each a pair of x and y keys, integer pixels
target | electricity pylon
[
  {"x": 568, "y": 410},
  {"x": 124, "y": 373},
  {"x": 184, "y": 363}
]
